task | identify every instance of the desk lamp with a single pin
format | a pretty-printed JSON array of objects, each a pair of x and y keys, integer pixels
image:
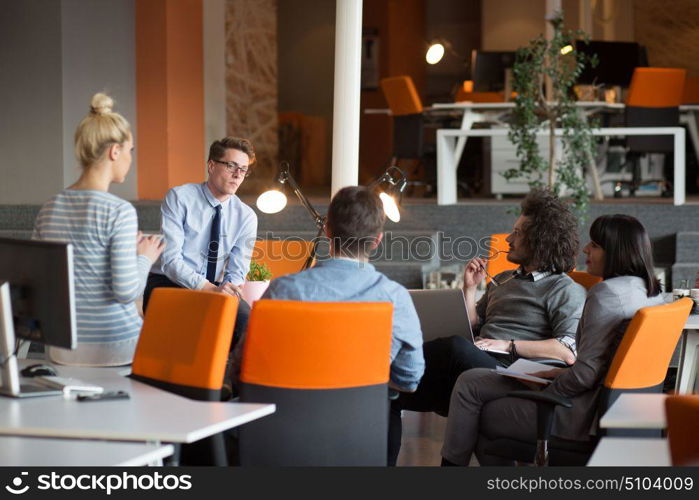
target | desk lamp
[{"x": 274, "y": 200}]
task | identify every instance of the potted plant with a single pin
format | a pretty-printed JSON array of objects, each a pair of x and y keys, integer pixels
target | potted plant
[
  {"x": 554, "y": 65},
  {"x": 256, "y": 281}
]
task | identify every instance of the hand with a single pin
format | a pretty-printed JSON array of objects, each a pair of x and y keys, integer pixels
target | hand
[
  {"x": 230, "y": 289},
  {"x": 490, "y": 344},
  {"x": 474, "y": 273},
  {"x": 549, "y": 374},
  {"x": 150, "y": 246}
]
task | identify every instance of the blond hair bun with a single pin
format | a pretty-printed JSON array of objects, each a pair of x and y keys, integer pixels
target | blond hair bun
[{"x": 101, "y": 104}]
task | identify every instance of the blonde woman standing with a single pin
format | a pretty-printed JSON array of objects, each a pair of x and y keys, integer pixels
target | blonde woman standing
[{"x": 111, "y": 260}]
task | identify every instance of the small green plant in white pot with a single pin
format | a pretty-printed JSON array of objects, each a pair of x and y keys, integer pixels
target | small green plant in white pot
[{"x": 256, "y": 282}]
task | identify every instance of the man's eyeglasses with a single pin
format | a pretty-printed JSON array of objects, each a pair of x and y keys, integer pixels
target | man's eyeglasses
[{"x": 233, "y": 168}]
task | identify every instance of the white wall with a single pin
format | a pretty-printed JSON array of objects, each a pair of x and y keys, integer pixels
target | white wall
[
  {"x": 53, "y": 56},
  {"x": 214, "y": 72},
  {"x": 31, "y": 141},
  {"x": 99, "y": 54}
]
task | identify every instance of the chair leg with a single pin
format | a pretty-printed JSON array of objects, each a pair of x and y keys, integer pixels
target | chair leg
[{"x": 541, "y": 459}]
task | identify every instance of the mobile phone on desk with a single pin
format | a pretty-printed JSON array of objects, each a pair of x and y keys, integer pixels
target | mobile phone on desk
[{"x": 104, "y": 396}]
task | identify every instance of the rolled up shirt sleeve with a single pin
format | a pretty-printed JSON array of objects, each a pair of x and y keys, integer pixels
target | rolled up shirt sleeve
[{"x": 564, "y": 309}]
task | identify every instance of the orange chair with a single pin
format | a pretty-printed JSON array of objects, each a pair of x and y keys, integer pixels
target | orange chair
[
  {"x": 653, "y": 101},
  {"x": 401, "y": 95},
  {"x": 639, "y": 365},
  {"x": 408, "y": 126},
  {"x": 499, "y": 263},
  {"x": 585, "y": 279},
  {"x": 326, "y": 367},
  {"x": 465, "y": 93},
  {"x": 691, "y": 90},
  {"x": 682, "y": 417},
  {"x": 183, "y": 348},
  {"x": 282, "y": 256}
]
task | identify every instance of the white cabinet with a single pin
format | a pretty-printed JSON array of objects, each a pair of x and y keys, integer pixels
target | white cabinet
[{"x": 503, "y": 157}]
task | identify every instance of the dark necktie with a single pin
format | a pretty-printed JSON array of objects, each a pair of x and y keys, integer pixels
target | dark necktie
[{"x": 212, "y": 258}]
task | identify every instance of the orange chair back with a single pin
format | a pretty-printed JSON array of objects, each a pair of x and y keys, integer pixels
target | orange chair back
[
  {"x": 585, "y": 279},
  {"x": 656, "y": 87},
  {"x": 465, "y": 93},
  {"x": 682, "y": 417},
  {"x": 282, "y": 256},
  {"x": 186, "y": 337},
  {"x": 401, "y": 95},
  {"x": 644, "y": 353},
  {"x": 691, "y": 90},
  {"x": 317, "y": 345},
  {"x": 499, "y": 263}
]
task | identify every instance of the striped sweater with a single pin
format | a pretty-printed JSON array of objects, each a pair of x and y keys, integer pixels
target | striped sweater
[{"x": 109, "y": 276}]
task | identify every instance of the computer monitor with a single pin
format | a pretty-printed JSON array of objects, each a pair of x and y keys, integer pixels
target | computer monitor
[
  {"x": 488, "y": 69},
  {"x": 616, "y": 62},
  {"x": 37, "y": 303}
]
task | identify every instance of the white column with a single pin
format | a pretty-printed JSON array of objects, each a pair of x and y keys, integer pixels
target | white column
[{"x": 348, "y": 46}]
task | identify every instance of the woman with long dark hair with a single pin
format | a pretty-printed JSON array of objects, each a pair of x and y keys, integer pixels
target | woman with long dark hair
[{"x": 620, "y": 253}]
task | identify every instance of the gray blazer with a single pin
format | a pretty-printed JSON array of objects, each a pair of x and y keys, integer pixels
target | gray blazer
[{"x": 609, "y": 307}]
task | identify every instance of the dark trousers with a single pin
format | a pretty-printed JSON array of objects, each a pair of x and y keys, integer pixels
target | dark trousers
[
  {"x": 160, "y": 280},
  {"x": 445, "y": 359}
]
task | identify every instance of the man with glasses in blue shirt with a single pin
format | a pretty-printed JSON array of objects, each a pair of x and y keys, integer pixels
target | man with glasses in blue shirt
[{"x": 209, "y": 233}]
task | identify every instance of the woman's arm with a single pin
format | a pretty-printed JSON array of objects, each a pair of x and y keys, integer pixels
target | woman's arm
[{"x": 599, "y": 326}]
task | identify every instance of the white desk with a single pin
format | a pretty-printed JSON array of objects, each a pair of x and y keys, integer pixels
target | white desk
[
  {"x": 491, "y": 112},
  {"x": 633, "y": 452},
  {"x": 449, "y": 154},
  {"x": 636, "y": 411},
  {"x": 150, "y": 414},
  {"x": 40, "y": 452}
]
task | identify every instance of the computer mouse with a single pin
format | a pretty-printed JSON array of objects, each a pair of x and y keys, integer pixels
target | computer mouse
[{"x": 37, "y": 370}]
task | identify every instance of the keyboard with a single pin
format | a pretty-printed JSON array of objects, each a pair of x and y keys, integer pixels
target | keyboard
[{"x": 68, "y": 385}]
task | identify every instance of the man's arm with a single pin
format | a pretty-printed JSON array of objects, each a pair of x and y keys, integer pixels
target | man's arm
[
  {"x": 239, "y": 257},
  {"x": 172, "y": 263},
  {"x": 563, "y": 308},
  {"x": 407, "y": 361},
  {"x": 474, "y": 273}
]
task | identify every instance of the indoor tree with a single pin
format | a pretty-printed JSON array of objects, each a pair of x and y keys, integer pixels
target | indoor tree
[{"x": 554, "y": 65}]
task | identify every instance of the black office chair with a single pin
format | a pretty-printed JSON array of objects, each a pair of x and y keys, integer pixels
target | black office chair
[{"x": 655, "y": 95}]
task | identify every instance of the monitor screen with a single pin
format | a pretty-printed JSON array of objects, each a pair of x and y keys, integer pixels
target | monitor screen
[
  {"x": 615, "y": 62},
  {"x": 488, "y": 69},
  {"x": 40, "y": 274}
]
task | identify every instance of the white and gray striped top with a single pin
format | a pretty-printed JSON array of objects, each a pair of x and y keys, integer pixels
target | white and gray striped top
[{"x": 109, "y": 275}]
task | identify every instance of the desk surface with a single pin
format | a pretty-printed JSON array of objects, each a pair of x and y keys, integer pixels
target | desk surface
[
  {"x": 636, "y": 411},
  {"x": 41, "y": 452},
  {"x": 150, "y": 414},
  {"x": 634, "y": 452}
]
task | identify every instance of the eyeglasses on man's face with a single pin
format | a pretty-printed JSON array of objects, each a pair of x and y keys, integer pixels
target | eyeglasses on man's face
[{"x": 233, "y": 168}]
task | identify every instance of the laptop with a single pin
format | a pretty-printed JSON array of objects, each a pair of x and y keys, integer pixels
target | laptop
[{"x": 443, "y": 313}]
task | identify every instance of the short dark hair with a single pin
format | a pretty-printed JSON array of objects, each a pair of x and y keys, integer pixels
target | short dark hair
[
  {"x": 355, "y": 219},
  {"x": 218, "y": 148},
  {"x": 627, "y": 249},
  {"x": 551, "y": 234}
]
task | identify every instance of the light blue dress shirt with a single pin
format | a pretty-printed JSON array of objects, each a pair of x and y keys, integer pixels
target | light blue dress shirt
[
  {"x": 187, "y": 215},
  {"x": 344, "y": 280}
]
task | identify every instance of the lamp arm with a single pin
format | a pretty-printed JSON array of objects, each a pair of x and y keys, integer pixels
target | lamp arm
[{"x": 285, "y": 177}]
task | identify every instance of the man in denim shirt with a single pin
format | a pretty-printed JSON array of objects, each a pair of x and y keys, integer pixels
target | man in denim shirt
[{"x": 355, "y": 228}]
